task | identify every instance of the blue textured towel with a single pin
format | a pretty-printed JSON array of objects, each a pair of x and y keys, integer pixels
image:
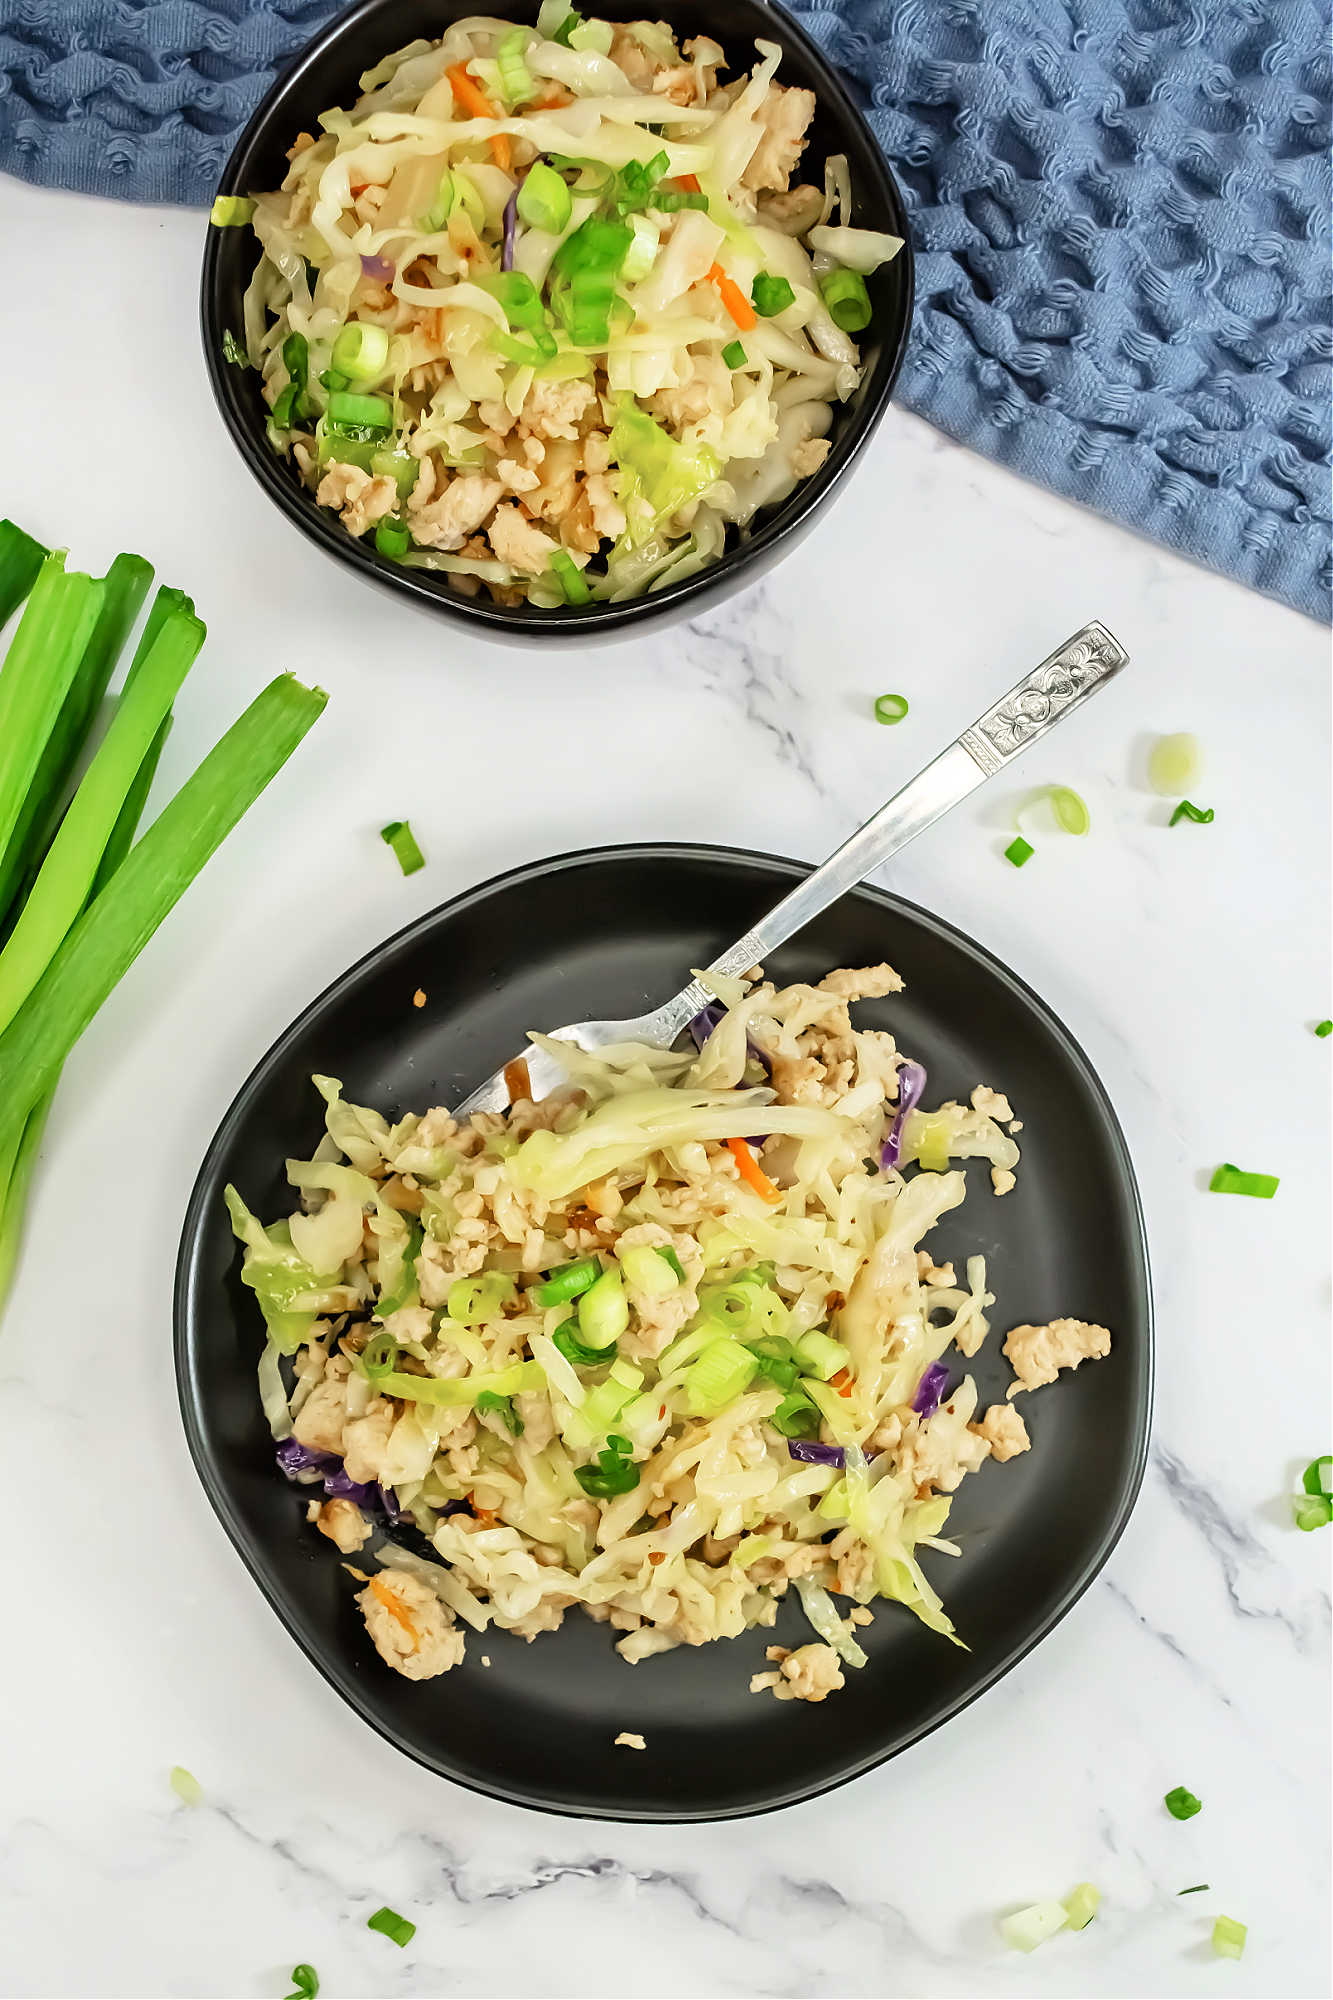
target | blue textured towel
[{"x": 1120, "y": 207}]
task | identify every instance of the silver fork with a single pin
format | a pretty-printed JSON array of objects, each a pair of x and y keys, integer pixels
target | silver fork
[{"x": 1046, "y": 696}]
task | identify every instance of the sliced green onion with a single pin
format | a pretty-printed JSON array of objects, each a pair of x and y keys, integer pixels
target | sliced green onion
[
  {"x": 1229, "y": 1938},
  {"x": 847, "y": 299},
  {"x": 233, "y": 350},
  {"x": 1317, "y": 1477},
  {"x": 1070, "y": 810},
  {"x": 566, "y": 29},
  {"x": 230, "y": 210},
  {"x": 516, "y": 82},
  {"x": 570, "y": 578},
  {"x": 819, "y": 1354},
  {"x": 671, "y": 199},
  {"x": 643, "y": 249},
  {"x": 771, "y": 295},
  {"x": 185, "y": 1785},
  {"x": 1182, "y": 1804},
  {"x": 1019, "y": 851},
  {"x": 890, "y": 707},
  {"x": 613, "y": 1472},
  {"x": 332, "y": 380},
  {"x": 20, "y": 560},
  {"x": 361, "y": 353},
  {"x": 544, "y": 200},
  {"x": 1194, "y": 1889},
  {"x": 399, "y": 836},
  {"x": 1082, "y": 1905},
  {"x": 567, "y": 1282},
  {"x": 305, "y": 1983},
  {"x": 1026, "y": 1929},
  {"x": 796, "y": 1417},
  {"x": 734, "y": 354},
  {"x": 591, "y": 36},
  {"x": 665, "y": 1250},
  {"x": 637, "y": 181},
  {"x": 502, "y": 1407},
  {"x": 390, "y": 1925},
  {"x": 1324, "y": 1028},
  {"x": 1312, "y": 1511},
  {"x": 118, "y": 922},
  {"x": 1173, "y": 763},
  {"x": 588, "y": 263},
  {"x": 1228, "y": 1179},
  {"x": 393, "y": 538},
  {"x": 576, "y": 1352},
  {"x": 371, "y": 413},
  {"x": 457, "y": 1392},
  {"x": 648, "y": 1271},
  {"x": 603, "y": 1311},
  {"x": 40, "y": 668},
  {"x": 379, "y": 1356},
  {"x": 1201, "y": 815},
  {"x": 479, "y": 1300},
  {"x": 723, "y": 1370}
]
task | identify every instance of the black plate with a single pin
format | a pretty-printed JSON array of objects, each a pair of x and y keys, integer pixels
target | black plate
[
  {"x": 612, "y": 932},
  {"x": 326, "y": 74}
]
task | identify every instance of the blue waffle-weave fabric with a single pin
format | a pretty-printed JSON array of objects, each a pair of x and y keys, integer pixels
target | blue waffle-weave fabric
[{"x": 1121, "y": 210}]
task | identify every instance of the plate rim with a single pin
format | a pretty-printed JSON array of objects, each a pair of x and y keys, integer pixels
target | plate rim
[{"x": 184, "y": 1288}]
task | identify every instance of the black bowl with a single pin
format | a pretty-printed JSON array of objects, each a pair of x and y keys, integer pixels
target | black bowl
[
  {"x": 610, "y": 933},
  {"x": 326, "y": 75}
]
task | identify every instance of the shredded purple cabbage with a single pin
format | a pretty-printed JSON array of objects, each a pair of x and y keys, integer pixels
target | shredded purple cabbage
[
  {"x": 911, "y": 1085},
  {"x": 510, "y": 231},
  {"x": 378, "y": 267},
  {"x": 294, "y": 1458},
  {"x": 704, "y": 1022},
  {"x": 811, "y": 1453},
  {"x": 930, "y": 1389}
]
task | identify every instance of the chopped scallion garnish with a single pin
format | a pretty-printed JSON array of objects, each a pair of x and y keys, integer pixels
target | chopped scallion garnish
[
  {"x": 734, "y": 354},
  {"x": 1229, "y": 1938},
  {"x": 1311, "y": 1512},
  {"x": 570, "y": 578},
  {"x": 890, "y": 707},
  {"x": 1324, "y": 1028},
  {"x": 771, "y": 295},
  {"x": 305, "y": 1983},
  {"x": 1070, "y": 810},
  {"x": 185, "y": 1785},
  {"x": 1318, "y": 1477},
  {"x": 1173, "y": 763},
  {"x": 847, "y": 299},
  {"x": 399, "y": 836},
  {"x": 393, "y": 538},
  {"x": 397, "y": 1929},
  {"x": 233, "y": 350},
  {"x": 1201, "y": 815},
  {"x": 1228, "y": 1179},
  {"x": 1195, "y": 1888},
  {"x": 361, "y": 353},
  {"x": 1019, "y": 851},
  {"x": 1182, "y": 1804},
  {"x": 230, "y": 210},
  {"x": 1026, "y": 1929},
  {"x": 1082, "y": 1905}
]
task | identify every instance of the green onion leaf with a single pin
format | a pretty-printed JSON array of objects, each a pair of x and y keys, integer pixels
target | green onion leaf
[
  {"x": 399, "y": 836},
  {"x": 516, "y": 82},
  {"x": 1324, "y": 1028},
  {"x": 603, "y": 1311},
  {"x": 40, "y": 667},
  {"x": 796, "y": 1417},
  {"x": 117, "y": 924},
  {"x": 371, "y": 413},
  {"x": 734, "y": 354},
  {"x": 614, "y": 1471},
  {"x": 1182, "y": 1804},
  {"x": 567, "y": 1282},
  {"x": 379, "y": 1356},
  {"x": 569, "y": 577},
  {"x": 722, "y": 1372},
  {"x": 230, "y": 210},
  {"x": 361, "y": 354},
  {"x": 847, "y": 299},
  {"x": 818, "y": 1354},
  {"x": 544, "y": 200},
  {"x": 20, "y": 560},
  {"x": 1229, "y": 1938},
  {"x": 1194, "y": 1889},
  {"x": 890, "y": 707},
  {"x": 502, "y": 1407},
  {"x": 1201, "y": 815},
  {"x": 574, "y": 1350},
  {"x": 390, "y": 1925},
  {"x": 185, "y": 1785},
  {"x": 1228, "y": 1179},
  {"x": 1312, "y": 1511},
  {"x": 305, "y": 1983},
  {"x": 1173, "y": 763},
  {"x": 1019, "y": 851},
  {"x": 233, "y": 350},
  {"x": 665, "y": 1250},
  {"x": 771, "y": 295},
  {"x": 479, "y": 1300},
  {"x": 393, "y": 538},
  {"x": 1317, "y": 1477}
]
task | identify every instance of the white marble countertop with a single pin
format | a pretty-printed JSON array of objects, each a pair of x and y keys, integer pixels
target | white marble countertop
[{"x": 1190, "y": 963}]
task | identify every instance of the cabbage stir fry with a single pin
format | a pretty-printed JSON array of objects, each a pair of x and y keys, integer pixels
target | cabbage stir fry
[
  {"x": 544, "y": 311},
  {"x": 660, "y": 1346}
]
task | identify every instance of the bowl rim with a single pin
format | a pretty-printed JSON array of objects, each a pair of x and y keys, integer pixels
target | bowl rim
[
  {"x": 186, "y": 1298},
  {"x": 521, "y": 622}
]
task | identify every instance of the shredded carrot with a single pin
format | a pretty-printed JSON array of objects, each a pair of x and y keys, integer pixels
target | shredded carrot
[
  {"x": 657, "y": 1556},
  {"x": 751, "y": 1171},
  {"x": 733, "y": 298},
  {"x": 486, "y": 1515},
  {"x": 517, "y": 1081},
  {"x": 690, "y": 181},
  {"x": 842, "y": 1382},
  {"x": 473, "y": 99},
  {"x": 394, "y": 1608}
]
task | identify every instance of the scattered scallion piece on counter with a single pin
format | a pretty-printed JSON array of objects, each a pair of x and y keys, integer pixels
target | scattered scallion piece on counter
[
  {"x": 890, "y": 707},
  {"x": 305, "y": 1983},
  {"x": 390, "y": 1925},
  {"x": 1228, "y": 1179},
  {"x": 1323, "y": 1028},
  {"x": 1194, "y": 1889},
  {"x": 186, "y": 1786},
  {"x": 1229, "y": 1938},
  {"x": 1182, "y": 1804},
  {"x": 230, "y": 211},
  {"x": 1173, "y": 763},
  {"x": 1311, "y": 1512},
  {"x": 1082, "y": 1904},
  {"x": 1200, "y": 815},
  {"x": 1019, "y": 851},
  {"x": 1070, "y": 810},
  {"x": 1026, "y": 1929},
  {"x": 399, "y": 836},
  {"x": 1317, "y": 1477}
]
